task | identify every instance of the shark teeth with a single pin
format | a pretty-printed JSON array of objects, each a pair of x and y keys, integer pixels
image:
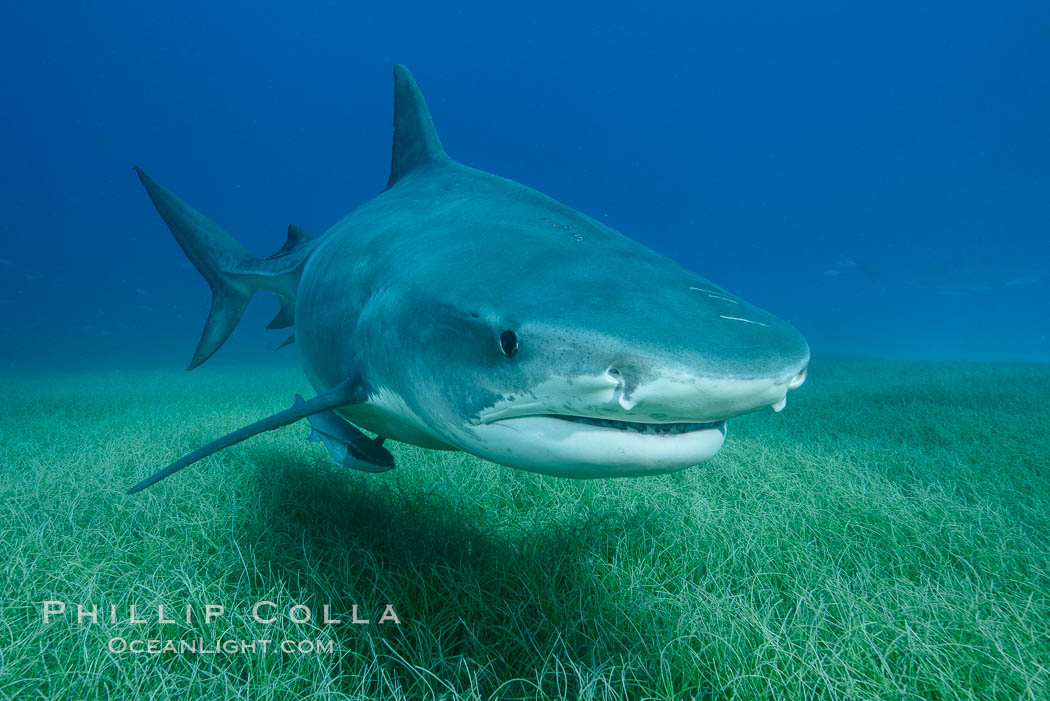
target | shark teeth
[{"x": 640, "y": 427}]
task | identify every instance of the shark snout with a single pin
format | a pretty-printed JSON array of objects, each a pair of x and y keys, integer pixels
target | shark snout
[
  {"x": 635, "y": 416},
  {"x": 677, "y": 395},
  {"x": 638, "y": 390}
]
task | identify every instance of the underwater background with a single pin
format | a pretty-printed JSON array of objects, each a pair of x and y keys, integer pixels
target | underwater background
[{"x": 875, "y": 174}]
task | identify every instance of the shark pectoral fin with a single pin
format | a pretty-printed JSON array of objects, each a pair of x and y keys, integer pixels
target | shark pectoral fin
[
  {"x": 349, "y": 392},
  {"x": 348, "y": 455},
  {"x": 348, "y": 446}
]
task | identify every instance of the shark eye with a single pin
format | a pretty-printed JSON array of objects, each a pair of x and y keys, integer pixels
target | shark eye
[{"x": 508, "y": 343}]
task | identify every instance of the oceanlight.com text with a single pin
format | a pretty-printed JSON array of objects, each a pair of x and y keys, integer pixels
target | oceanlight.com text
[{"x": 199, "y": 646}]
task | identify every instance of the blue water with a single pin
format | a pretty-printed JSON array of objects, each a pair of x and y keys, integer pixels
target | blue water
[{"x": 878, "y": 175}]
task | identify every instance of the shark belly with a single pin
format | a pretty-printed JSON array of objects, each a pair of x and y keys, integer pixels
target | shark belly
[{"x": 387, "y": 415}]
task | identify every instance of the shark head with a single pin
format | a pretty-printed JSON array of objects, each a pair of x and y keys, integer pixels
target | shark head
[
  {"x": 585, "y": 360},
  {"x": 633, "y": 383}
]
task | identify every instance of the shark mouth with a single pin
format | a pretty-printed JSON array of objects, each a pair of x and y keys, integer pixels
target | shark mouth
[
  {"x": 653, "y": 429},
  {"x": 569, "y": 445}
]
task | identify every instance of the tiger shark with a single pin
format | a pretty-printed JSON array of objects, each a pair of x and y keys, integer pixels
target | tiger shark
[{"x": 458, "y": 310}]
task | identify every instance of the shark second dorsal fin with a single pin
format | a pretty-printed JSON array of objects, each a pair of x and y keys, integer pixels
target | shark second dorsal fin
[
  {"x": 296, "y": 237},
  {"x": 416, "y": 142}
]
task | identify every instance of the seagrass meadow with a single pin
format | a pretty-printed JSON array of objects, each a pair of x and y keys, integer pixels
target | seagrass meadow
[{"x": 887, "y": 536}]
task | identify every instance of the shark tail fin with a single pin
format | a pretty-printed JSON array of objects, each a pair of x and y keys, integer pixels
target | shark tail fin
[
  {"x": 416, "y": 142},
  {"x": 231, "y": 271}
]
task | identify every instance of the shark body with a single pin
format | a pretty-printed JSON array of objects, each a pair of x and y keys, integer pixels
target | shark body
[{"x": 459, "y": 310}]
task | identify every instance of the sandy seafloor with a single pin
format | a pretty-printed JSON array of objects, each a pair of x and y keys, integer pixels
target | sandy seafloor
[{"x": 887, "y": 536}]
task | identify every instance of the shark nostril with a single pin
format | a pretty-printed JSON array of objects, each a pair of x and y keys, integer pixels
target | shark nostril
[{"x": 621, "y": 392}]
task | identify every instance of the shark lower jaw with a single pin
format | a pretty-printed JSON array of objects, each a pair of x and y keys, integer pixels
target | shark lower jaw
[
  {"x": 639, "y": 427},
  {"x": 586, "y": 447}
]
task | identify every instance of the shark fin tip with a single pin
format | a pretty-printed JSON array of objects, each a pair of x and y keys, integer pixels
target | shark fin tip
[{"x": 416, "y": 142}]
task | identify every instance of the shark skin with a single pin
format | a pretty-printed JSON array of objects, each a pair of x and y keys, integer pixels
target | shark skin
[{"x": 459, "y": 310}]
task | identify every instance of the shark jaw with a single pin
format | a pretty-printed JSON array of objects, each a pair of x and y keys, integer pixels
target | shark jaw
[
  {"x": 587, "y": 428},
  {"x": 586, "y": 447}
]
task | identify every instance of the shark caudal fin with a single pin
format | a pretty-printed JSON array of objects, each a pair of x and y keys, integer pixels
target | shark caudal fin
[
  {"x": 416, "y": 142},
  {"x": 233, "y": 273}
]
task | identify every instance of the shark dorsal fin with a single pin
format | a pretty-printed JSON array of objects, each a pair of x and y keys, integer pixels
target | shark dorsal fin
[
  {"x": 296, "y": 237},
  {"x": 416, "y": 143}
]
